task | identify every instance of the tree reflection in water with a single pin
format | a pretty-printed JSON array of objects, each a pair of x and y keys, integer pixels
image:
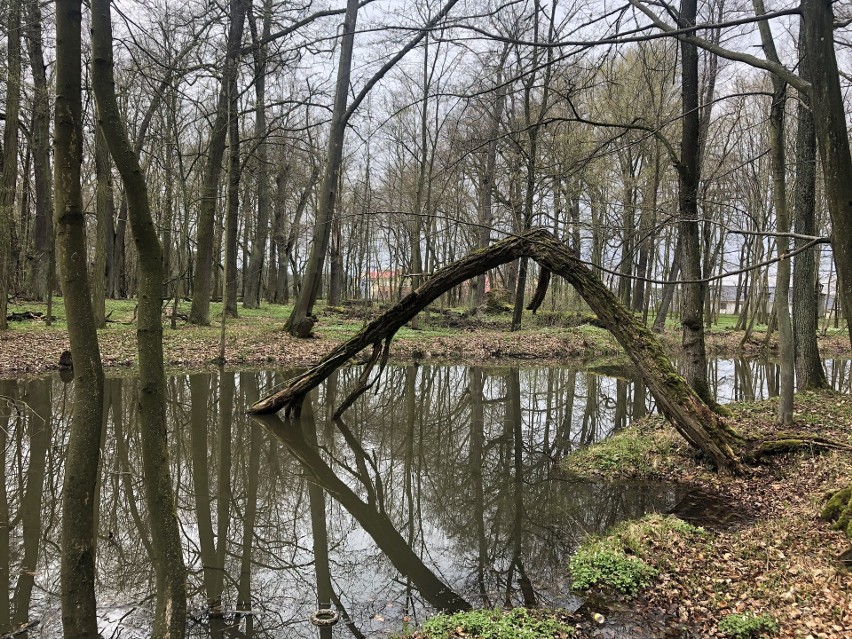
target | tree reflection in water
[{"x": 440, "y": 490}]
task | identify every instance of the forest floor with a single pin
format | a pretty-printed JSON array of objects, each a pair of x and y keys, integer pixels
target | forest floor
[
  {"x": 767, "y": 551},
  {"x": 257, "y": 339}
]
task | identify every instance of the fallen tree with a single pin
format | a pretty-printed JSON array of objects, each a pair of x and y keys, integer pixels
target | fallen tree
[{"x": 705, "y": 430}]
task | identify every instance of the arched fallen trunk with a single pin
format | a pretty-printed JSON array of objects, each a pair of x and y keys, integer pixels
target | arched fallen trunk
[{"x": 701, "y": 427}]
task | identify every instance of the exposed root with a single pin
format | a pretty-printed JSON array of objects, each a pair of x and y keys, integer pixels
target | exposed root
[{"x": 759, "y": 449}]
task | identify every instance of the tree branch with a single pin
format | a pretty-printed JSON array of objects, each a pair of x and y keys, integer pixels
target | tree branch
[{"x": 778, "y": 69}]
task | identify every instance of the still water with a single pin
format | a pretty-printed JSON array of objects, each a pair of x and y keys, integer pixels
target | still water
[{"x": 437, "y": 490}]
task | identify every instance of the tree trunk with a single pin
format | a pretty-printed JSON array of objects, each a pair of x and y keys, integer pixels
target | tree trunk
[
  {"x": 694, "y": 353},
  {"x": 833, "y": 141},
  {"x": 301, "y": 320},
  {"x": 254, "y": 273},
  {"x": 645, "y": 244},
  {"x": 118, "y": 264},
  {"x": 335, "y": 263},
  {"x": 42, "y": 273},
  {"x": 532, "y": 128},
  {"x": 668, "y": 290},
  {"x": 699, "y": 425},
  {"x": 104, "y": 209},
  {"x": 77, "y": 569},
  {"x": 833, "y": 138},
  {"x": 199, "y": 312},
  {"x": 170, "y": 611},
  {"x": 229, "y": 292},
  {"x": 485, "y": 192},
  {"x": 809, "y": 371},
  {"x": 782, "y": 214},
  {"x": 9, "y": 152}
]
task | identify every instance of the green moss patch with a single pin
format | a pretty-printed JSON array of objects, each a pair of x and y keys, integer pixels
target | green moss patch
[{"x": 519, "y": 623}]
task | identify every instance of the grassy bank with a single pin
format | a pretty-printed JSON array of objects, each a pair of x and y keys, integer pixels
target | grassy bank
[
  {"x": 256, "y": 338},
  {"x": 777, "y": 567}
]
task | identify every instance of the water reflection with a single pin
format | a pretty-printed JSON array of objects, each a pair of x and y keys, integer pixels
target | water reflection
[{"x": 437, "y": 491}]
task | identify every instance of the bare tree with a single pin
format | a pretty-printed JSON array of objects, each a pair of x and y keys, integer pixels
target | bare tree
[
  {"x": 254, "y": 274},
  {"x": 9, "y": 152},
  {"x": 170, "y": 612},
  {"x": 203, "y": 278},
  {"x": 809, "y": 370},
  {"x": 42, "y": 272},
  {"x": 77, "y": 570},
  {"x": 301, "y": 320},
  {"x": 782, "y": 214}
]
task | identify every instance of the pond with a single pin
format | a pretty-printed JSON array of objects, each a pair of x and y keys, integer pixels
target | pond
[{"x": 439, "y": 488}]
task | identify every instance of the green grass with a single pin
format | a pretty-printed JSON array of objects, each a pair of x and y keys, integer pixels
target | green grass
[
  {"x": 636, "y": 451},
  {"x": 747, "y": 625},
  {"x": 600, "y": 564},
  {"x": 519, "y": 623},
  {"x": 630, "y": 555},
  {"x": 344, "y": 322}
]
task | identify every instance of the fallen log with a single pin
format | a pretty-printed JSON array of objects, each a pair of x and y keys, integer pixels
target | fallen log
[
  {"x": 702, "y": 428},
  {"x": 24, "y": 316}
]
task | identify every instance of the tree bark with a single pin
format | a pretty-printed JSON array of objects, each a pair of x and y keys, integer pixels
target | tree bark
[
  {"x": 533, "y": 127},
  {"x": 254, "y": 273},
  {"x": 229, "y": 293},
  {"x": 77, "y": 568},
  {"x": 485, "y": 192},
  {"x": 833, "y": 141},
  {"x": 693, "y": 419},
  {"x": 694, "y": 352},
  {"x": 809, "y": 371},
  {"x": 668, "y": 290},
  {"x": 832, "y": 136},
  {"x": 199, "y": 312},
  {"x": 104, "y": 209},
  {"x": 170, "y": 611},
  {"x": 9, "y": 152},
  {"x": 782, "y": 214},
  {"x": 42, "y": 273}
]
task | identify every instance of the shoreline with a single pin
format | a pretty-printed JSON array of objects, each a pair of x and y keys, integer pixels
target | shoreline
[
  {"x": 781, "y": 559},
  {"x": 34, "y": 349}
]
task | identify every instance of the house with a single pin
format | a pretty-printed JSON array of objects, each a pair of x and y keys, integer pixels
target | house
[
  {"x": 384, "y": 285},
  {"x": 728, "y": 299}
]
